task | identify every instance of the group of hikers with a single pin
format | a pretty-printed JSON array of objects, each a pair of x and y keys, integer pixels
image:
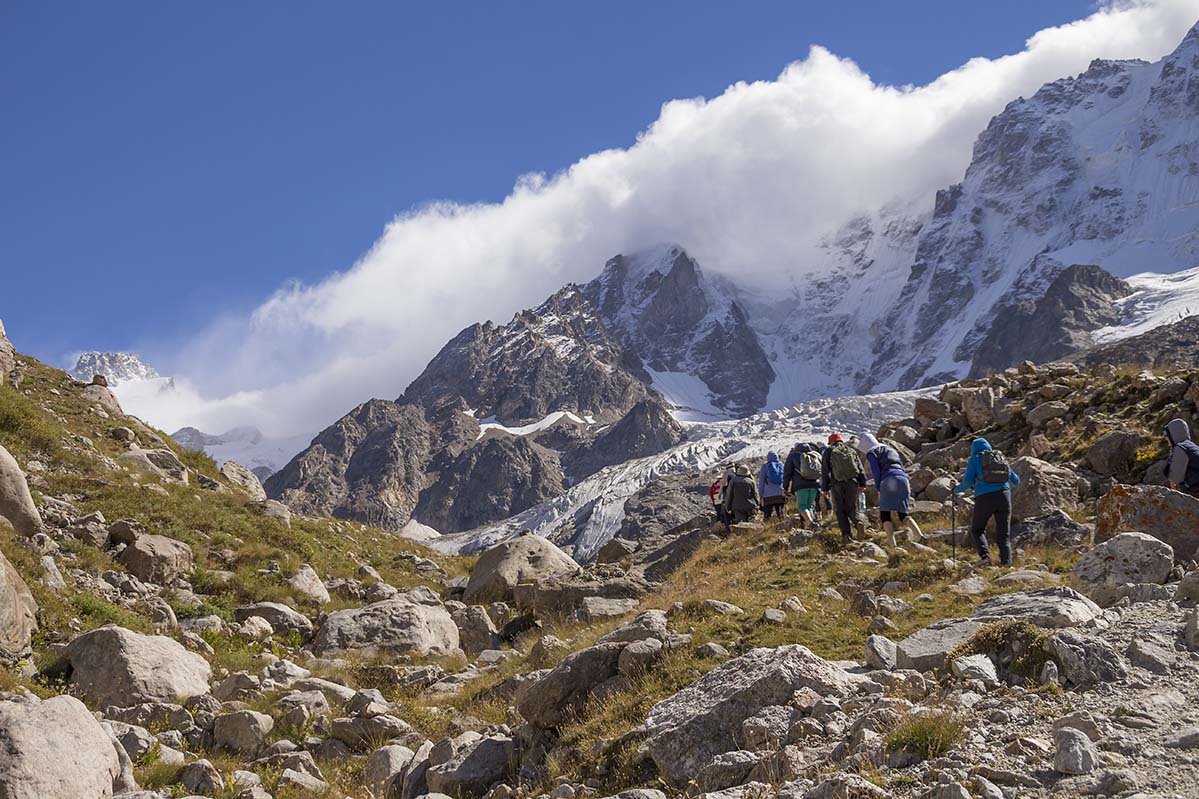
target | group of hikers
[{"x": 833, "y": 476}]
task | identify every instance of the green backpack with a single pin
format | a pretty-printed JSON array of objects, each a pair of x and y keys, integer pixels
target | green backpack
[{"x": 843, "y": 463}]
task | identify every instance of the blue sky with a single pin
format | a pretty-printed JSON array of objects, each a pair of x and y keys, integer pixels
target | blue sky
[{"x": 167, "y": 163}]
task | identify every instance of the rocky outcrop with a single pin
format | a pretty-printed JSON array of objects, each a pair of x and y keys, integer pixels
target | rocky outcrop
[
  {"x": 16, "y": 503},
  {"x": 1081, "y": 299},
  {"x": 685, "y": 731},
  {"x": 244, "y": 479},
  {"x": 54, "y": 749},
  {"x": 1128, "y": 558},
  {"x": 160, "y": 463},
  {"x": 1171, "y": 346},
  {"x": 523, "y": 559},
  {"x": 647, "y": 429},
  {"x": 397, "y": 626},
  {"x": 18, "y": 614},
  {"x": 1171, "y": 516},
  {"x": 8, "y": 356},
  {"x": 494, "y": 479},
  {"x": 115, "y": 666},
  {"x": 157, "y": 559},
  {"x": 1044, "y": 487}
]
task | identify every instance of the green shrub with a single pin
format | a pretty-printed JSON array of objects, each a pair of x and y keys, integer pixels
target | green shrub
[{"x": 927, "y": 734}]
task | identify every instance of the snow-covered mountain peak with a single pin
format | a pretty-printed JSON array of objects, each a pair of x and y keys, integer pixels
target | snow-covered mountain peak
[{"x": 116, "y": 367}]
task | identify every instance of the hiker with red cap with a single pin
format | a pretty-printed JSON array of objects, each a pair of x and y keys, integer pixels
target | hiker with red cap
[{"x": 841, "y": 476}]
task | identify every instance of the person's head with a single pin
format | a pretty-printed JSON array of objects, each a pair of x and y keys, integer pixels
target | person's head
[
  {"x": 866, "y": 442},
  {"x": 835, "y": 438},
  {"x": 772, "y": 457},
  {"x": 979, "y": 445},
  {"x": 743, "y": 471},
  {"x": 1178, "y": 431}
]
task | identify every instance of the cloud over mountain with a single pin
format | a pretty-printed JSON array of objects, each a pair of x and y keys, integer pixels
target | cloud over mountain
[{"x": 749, "y": 181}]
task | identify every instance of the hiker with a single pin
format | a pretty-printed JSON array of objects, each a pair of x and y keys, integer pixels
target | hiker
[
  {"x": 801, "y": 478},
  {"x": 841, "y": 476},
  {"x": 1182, "y": 468},
  {"x": 715, "y": 492},
  {"x": 992, "y": 480},
  {"x": 894, "y": 490},
  {"x": 770, "y": 486},
  {"x": 740, "y": 497}
]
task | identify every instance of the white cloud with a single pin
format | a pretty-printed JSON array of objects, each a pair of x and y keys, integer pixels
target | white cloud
[{"x": 748, "y": 181}]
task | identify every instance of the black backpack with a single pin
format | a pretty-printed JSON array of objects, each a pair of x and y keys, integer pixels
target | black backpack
[
  {"x": 995, "y": 467},
  {"x": 1191, "y": 478}
]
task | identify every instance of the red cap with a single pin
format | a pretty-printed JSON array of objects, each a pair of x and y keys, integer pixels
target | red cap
[{"x": 835, "y": 438}]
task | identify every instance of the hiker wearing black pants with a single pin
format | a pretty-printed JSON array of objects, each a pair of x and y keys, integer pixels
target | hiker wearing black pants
[
  {"x": 992, "y": 480},
  {"x": 842, "y": 477}
]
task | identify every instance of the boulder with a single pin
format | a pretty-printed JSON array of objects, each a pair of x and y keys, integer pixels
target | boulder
[
  {"x": 396, "y": 626},
  {"x": 201, "y": 777},
  {"x": 160, "y": 463},
  {"x": 474, "y": 768},
  {"x": 16, "y": 503},
  {"x": 8, "y": 356},
  {"x": 18, "y": 614},
  {"x": 273, "y": 509},
  {"x": 115, "y": 666},
  {"x": 1075, "y": 753},
  {"x": 1055, "y": 527},
  {"x": 974, "y": 667},
  {"x": 880, "y": 653},
  {"x": 520, "y": 560},
  {"x": 243, "y": 731},
  {"x": 684, "y": 732},
  {"x": 1127, "y": 558},
  {"x": 978, "y": 405},
  {"x": 306, "y": 582},
  {"x": 565, "y": 689},
  {"x": 1086, "y": 659},
  {"x": 1114, "y": 452},
  {"x": 102, "y": 395},
  {"x": 1050, "y": 607},
  {"x": 931, "y": 409},
  {"x": 927, "y": 649},
  {"x": 1043, "y": 488},
  {"x": 157, "y": 559},
  {"x": 54, "y": 749},
  {"x": 244, "y": 479},
  {"x": 476, "y": 631},
  {"x": 279, "y": 616},
  {"x": 1170, "y": 515},
  {"x": 940, "y": 489},
  {"x": 1046, "y": 412},
  {"x": 384, "y": 764}
]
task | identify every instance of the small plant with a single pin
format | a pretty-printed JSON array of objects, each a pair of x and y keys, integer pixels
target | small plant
[{"x": 927, "y": 734}]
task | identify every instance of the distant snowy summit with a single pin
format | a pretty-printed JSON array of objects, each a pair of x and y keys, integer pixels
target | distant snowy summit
[
  {"x": 261, "y": 454},
  {"x": 116, "y": 367}
]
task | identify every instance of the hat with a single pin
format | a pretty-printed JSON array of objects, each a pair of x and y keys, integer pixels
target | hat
[
  {"x": 867, "y": 442},
  {"x": 835, "y": 438},
  {"x": 743, "y": 471}
]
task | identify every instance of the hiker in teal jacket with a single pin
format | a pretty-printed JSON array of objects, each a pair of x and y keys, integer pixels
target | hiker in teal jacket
[{"x": 990, "y": 500}]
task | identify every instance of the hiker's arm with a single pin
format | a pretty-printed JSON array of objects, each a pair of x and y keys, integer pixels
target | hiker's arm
[
  {"x": 968, "y": 478},
  {"x": 1176, "y": 469},
  {"x": 1012, "y": 477}
]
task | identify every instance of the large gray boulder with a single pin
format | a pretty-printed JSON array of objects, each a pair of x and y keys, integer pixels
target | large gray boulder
[
  {"x": 279, "y": 616},
  {"x": 474, "y": 768},
  {"x": 116, "y": 666},
  {"x": 1043, "y": 488},
  {"x": 687, "y": 730},
  {"x": 242, "y": 731},
  {"x": 18, "y": 614},
  {"x": 244, "y": 479},
  {"x": 1128, "y": 558},
  {"x": 160, "y": 463},
  {"x": 397, "y": 626},
  {"x": 16, "y": 503},
  {"x": 54, "y": 749},
  {"x": 567, "y": 687},
  {"x": 1086, "y": 659},
  {"x": 1050, "y": 607},
  {"x": 519, "y": 560},
  {"x": 1115, "y": 451},
  {"x": 1170, "y": 515},
  {"x": 157, "y": 559},
  {"x": 308, "y": 583},
  {"x": 928, "y": 649}
]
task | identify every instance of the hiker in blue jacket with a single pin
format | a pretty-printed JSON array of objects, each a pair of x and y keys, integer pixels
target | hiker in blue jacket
[
  {"x": 992, "y": 498},
  {"x": 770, "y": 486}
]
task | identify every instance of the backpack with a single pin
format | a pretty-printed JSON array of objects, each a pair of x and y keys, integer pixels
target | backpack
[
  {"x": 995, "y": 468},
  {"x": 843, "y": 463},
  {"x": 1190, "y": 480},
  {"x": 809, "y": 465},
  {"x": 774, "y": 473}
]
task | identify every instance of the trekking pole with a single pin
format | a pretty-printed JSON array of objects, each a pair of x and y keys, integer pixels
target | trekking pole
[{"x": 953, "y": 523}]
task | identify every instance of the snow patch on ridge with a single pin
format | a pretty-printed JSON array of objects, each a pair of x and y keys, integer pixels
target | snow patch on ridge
[
  {"x": 1156, "y": 300},
  {"x": 489, "y": 424}
]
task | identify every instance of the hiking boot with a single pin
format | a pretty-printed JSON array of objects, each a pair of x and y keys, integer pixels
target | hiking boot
[{"x": 985, "y": 562}]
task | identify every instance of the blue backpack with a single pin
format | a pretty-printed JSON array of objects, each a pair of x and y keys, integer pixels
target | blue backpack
[{"x": 774, "y": 473}]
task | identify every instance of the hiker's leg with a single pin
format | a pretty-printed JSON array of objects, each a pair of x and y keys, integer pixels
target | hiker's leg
[
  {"x": 914, "y": 532},
  {"x": 842, "y": 503},
  {"x": 1003, "y": 527},
  {"x": 978, "y": 525},
  {"x": 888, "y": 525}
]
